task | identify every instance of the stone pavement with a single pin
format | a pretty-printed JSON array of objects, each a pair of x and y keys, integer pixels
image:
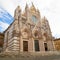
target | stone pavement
[
  {"x": 51, "y": 57},
  {"x": 31, "y": 56}
]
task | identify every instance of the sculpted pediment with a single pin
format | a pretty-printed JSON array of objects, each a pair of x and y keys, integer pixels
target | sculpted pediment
[
  {"x": 25, "y": 33},
  {"x": 36, "y": 34}
]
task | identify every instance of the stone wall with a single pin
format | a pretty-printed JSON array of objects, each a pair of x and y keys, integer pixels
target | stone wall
[{"x": 57, "y": 44}]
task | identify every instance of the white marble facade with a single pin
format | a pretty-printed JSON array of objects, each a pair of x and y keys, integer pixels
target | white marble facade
[{"x": 28, "y": 32}]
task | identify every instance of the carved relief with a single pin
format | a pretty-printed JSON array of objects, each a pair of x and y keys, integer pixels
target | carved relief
[
  {"x": 36, "y": 34},
  {"x": 25, "y": 33}
]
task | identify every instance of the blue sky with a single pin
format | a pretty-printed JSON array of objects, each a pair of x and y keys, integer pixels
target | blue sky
[
  {"x": 5, "y": 19},
  {"x": 48, "y": 8}
]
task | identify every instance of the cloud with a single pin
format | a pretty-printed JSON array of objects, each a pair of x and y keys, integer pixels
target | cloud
[
  {"x": 3, "y": 26},
  {"x": 5, "y": 16},
  {"x": 8, "y": 5}
]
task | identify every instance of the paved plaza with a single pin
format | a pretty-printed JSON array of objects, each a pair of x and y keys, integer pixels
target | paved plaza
[{"x": 28, "y": 56}]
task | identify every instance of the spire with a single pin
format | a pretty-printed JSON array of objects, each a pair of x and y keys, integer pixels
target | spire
[
  {"x": 26, "y": 10},
  {"x": 38, "y": 12},
  {"x": 32, "y": 7},
  {"x": 32, "y": 4},
  {"x": 17, "y": 12},
  {"x": 26, "y": 6},
  {"x": 45, "y": 18},
  {"x": 18, "y": 8}
]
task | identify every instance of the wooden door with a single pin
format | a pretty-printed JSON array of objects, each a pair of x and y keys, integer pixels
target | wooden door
[{"x": 25, "y": 45}]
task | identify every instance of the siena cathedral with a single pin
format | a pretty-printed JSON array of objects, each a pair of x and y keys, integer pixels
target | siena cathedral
[{"x": 28, "y": 32}]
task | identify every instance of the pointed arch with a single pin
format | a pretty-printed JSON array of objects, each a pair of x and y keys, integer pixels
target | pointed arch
[
  {"x": 25, "y": 30},
  {"x": 35, "y": 33},
  {"x": 25, "y": 33}
]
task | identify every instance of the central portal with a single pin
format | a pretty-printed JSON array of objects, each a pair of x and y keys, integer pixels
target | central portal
[
  {"x": 25, "y": 45},
  {"x": 36, "y": 45}
]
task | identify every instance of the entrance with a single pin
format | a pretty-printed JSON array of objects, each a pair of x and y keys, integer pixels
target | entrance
[
  {"x": 36, "y": 42},
  {"x": 25, "y": 45},
  {"x": 45, "y": 45}
]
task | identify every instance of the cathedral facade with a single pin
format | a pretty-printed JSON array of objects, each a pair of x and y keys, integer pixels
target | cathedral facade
[{"x": 28, "y": 32}]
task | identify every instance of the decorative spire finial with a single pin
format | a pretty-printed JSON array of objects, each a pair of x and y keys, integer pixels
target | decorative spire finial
[
  {"x": 17, "y": 12},
  {"x": 26, "y": 6},
  {"x": 18, "y": 7},
  {"x": 32, "y": 8},
  {"x": 33, "y": 5}
]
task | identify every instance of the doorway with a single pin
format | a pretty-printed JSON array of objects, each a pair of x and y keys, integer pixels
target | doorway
[
  {"x": 45, "y": 46},
  {"x": 36, "y": 42},
  {"x": 25, "y": 45}
]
